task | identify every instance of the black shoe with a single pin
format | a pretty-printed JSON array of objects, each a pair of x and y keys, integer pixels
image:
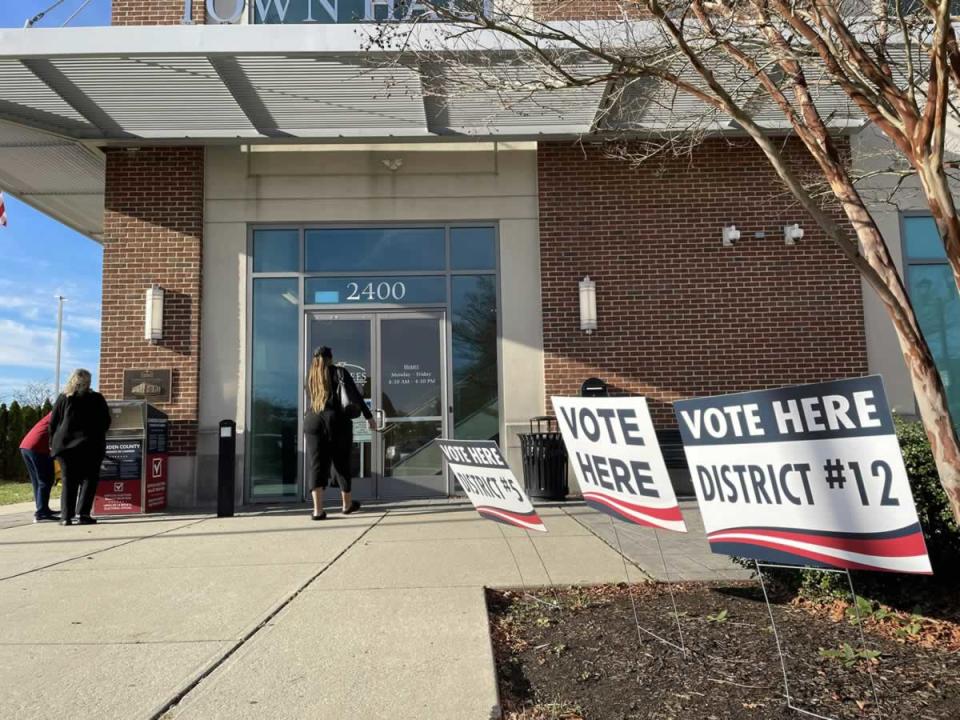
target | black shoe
[
  {"x": 87, "y": 520},
  {"x": 354, "y": 506},
  {"x": 67, "y": 521},
  {"x": 321, "y": 516},
  {"x": 46, "y": 517}
]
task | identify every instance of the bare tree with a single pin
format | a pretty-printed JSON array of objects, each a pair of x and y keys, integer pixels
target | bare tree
[
  {"x": 34, "y": 394},
  {"x": 809, "y": 69}
]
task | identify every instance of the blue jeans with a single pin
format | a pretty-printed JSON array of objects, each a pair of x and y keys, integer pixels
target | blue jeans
[{"x": 40, "y": 468}]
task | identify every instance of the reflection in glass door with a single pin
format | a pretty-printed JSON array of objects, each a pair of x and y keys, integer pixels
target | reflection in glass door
[
  {"x": 411, "y": 407},
  {"x": 397, "y": 360}
]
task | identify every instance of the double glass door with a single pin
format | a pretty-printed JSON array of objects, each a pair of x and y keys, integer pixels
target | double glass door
[{"x": 397, "y": 360}]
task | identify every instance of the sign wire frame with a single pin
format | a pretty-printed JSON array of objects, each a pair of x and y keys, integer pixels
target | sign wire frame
[
  {"x": 776, "y": 636},
  {"x": 636, "y": 617},
  {"x": 523, "y": 584}
]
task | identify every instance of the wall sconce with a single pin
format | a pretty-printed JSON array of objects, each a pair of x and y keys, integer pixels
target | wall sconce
[
  {"x": 792, "y": 233},
  {"x": 730, "y": 235},
  {"x": 153, "y": 315},
  {"x": 588, "y": 305}
]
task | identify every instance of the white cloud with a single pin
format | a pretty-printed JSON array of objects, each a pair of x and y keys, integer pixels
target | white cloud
[{"x": 26, "y": 346}]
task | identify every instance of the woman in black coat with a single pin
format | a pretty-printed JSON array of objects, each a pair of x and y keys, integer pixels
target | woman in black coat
[
  {"x": 328, "y": 431},
  {"x": 78, "y": 438}
]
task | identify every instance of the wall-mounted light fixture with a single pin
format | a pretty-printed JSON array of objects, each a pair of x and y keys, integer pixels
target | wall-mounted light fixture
[
  {"x": 153, "y": 315},
  {"x": 792, "y": 233},
  {"x": 588, "y": 305},
  {"x": 730, "y": 235}
]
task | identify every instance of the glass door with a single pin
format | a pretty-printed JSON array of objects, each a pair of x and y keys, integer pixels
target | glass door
[
  {"x": 411, "y": 402},
  {"x": 398, "y": 361},
  {"x": 350, "y": 336}
]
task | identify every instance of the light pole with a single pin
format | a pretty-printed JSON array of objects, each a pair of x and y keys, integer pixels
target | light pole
[{"x": 60, "y": 299}]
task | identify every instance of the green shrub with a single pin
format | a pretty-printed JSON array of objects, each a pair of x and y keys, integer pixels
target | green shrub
[{"x": 940, "y": 529}]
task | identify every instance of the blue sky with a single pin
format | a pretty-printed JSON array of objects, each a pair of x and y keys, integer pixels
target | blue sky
[{"x": 42, "y": 258}]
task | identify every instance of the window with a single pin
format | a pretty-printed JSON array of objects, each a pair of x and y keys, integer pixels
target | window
[
  {"x": 275, "y": 374},
  {"x": 276, "y": 251},
  {"x": 473, "y": 248},
  {"x": 476, "y": 405},
  {"x": 375, "y": 249},
  {"x": 936, "y": 301}
]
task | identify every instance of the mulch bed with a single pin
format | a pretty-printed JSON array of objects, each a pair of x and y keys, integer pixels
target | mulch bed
[{"x": 585, "y": 660}]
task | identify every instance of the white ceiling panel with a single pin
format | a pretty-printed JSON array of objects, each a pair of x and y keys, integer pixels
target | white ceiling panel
[{"x": 159, "y": 96}]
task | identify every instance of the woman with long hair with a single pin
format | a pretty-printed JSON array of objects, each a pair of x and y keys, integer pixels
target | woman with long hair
[
  {"x": 328, "y": 429},
  {"x": 78, "y": 439}
]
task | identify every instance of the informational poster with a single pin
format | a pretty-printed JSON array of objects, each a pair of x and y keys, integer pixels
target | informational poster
[
  {"x": 361, "y": 429},
  {"x": 486, "y": 478},
  {"x": 804, "y": 475},
  {"x": 156, "y": 435},
  {"x": 613, "y": 447},
  {"x": 123, "y": 459}
]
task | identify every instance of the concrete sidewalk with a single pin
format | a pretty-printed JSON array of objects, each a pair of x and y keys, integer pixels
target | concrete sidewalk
[
  {"x": 269, "y": 615},
  {"x": 687, "y": 555}
]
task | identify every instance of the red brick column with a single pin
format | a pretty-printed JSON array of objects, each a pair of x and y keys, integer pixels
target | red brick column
[
  {"x": 153, "y": 233},
  {"x": 679, "y": 314},
  {"x": 155, "y": 12}
]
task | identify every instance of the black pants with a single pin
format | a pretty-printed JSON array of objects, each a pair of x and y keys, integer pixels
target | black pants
[
  {"x": 81, "y": 473},
  {"x": 329, "y": 442}
]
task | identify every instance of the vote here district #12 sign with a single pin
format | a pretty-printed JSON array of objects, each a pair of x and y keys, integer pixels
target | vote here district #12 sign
[
  {"x": 615, "y": 454},
  {"x": 486, "y": 478},
  {"x": 804, "y": 475}
]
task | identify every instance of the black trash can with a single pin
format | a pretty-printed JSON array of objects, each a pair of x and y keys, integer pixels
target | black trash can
[{"x": 544, "y": 460}]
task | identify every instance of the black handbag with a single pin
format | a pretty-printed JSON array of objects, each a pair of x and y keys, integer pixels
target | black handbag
[{"x": 350, "y": 409}]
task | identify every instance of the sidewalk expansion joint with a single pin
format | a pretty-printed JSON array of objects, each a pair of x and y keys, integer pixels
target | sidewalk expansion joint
[
  {"x": 212, "y": 667},
  {"x": 102, "y": 550}
]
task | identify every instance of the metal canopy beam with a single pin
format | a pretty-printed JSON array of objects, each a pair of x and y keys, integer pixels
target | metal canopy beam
[
  {"x": 246, "y": 96},
  {"x": 51, "y": 76}
]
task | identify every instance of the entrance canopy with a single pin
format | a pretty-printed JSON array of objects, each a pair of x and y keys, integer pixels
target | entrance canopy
[{"x": 69, "y": 91}]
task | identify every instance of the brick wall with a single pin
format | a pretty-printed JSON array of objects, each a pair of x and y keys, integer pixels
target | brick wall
[
  {"x": 154, "y": 12},
  {"x": 153, "y": 233},
  {"x": 679, "y": 314},
  {"x": 584, "y": 9}
]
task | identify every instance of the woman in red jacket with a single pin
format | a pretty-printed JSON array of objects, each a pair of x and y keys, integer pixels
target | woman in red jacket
[{"x": 35, "y": 449}]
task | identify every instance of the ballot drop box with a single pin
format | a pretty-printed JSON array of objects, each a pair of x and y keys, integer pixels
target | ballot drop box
[{"x": 133, "y": 476}]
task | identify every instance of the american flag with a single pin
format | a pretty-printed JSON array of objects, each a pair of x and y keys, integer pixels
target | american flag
[{"x": 3, "y": 211}]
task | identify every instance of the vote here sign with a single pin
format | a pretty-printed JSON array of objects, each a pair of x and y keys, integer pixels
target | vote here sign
[
  {"x": 804, "y": 475},
  {"x": 617, "y": 459},
  {"x": 486, "y": 478}
]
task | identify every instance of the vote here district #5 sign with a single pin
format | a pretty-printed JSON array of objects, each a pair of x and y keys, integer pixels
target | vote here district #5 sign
[
  {"x": 486, "y": 478},
  {"x": 804, "y": 475},
  {"x": 615, "y": 454}
]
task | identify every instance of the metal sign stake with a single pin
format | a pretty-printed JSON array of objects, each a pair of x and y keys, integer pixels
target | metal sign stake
[
  {"x": 523, "y": 584},
  {"x": 776, "y": 637},
  {"x": 553, "y": 587},
  {"x": 633, "y": 602},
  {"x": 673, "y": 597}
]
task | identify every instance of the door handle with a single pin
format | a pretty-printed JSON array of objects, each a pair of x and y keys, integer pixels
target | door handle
[{"x": 381, "y": 419}]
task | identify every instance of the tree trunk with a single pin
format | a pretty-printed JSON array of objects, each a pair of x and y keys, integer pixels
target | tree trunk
[{"x": 927, "y": 385}]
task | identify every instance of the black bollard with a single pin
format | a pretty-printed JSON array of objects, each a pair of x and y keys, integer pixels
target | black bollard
[{"x": 225, "y": 471}]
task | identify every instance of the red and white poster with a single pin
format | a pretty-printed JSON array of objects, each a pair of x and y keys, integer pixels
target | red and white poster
[
  {"x": 156, "y": 483},
  {"x": 613, "y": 447},
  {"x": 118, "y": 497},
  {"x": 486, "y": 478},
  {"x": 804, "y": 475}
]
